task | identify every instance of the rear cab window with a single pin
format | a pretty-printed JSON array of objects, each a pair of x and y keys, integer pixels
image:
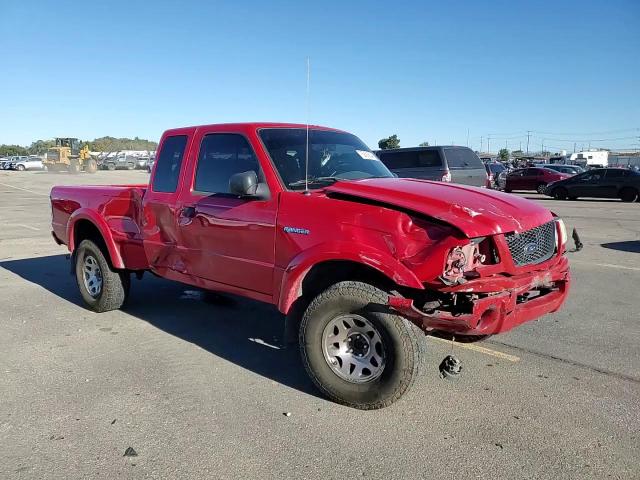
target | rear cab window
[
  {"x": 462, "y": 158},
  {"x": 169, "y": 164}
]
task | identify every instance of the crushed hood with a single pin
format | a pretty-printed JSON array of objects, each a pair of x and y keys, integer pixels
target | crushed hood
[{"x": 477, "y": 212}]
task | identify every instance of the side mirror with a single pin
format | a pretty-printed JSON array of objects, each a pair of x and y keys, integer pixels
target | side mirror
[{"x": 244, "y": 184}]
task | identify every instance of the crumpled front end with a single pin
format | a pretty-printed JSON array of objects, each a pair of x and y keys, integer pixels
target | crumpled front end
[{"x": 526, "y": 277}]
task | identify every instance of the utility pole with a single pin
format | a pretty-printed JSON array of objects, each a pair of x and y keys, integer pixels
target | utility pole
[
  {"x": 520, "y": 145},
  {"x": 481, "y": 139},
  {"x": 574, "y": 147},
  {"x": 528, "y": 135},
  {"x": 542, "y": 153},
  {"x": 467, "y": 138},
  {"x": 506, "y": 145},
  {"x": 488, "y": 147}
]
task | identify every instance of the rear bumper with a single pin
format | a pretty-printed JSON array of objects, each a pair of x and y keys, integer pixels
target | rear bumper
[{"x": 502, "y": 304}]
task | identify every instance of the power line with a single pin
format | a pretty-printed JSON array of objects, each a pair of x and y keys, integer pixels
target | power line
[{"x": 589, "y": 133}]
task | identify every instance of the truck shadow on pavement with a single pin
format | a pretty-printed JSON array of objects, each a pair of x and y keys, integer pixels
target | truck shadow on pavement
[
  {"x": 632, "y": 246},
  {"x": 244, "y": 332}
]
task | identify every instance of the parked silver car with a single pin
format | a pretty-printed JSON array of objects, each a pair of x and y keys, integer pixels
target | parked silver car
[{"x": 29, "y": 163}]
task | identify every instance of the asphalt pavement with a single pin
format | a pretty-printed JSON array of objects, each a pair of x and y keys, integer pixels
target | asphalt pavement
[{"x": 206, "y": 389}]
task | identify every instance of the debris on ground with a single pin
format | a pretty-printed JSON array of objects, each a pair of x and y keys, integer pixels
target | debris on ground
[
  {"x": 450, "y": 367},
  {"x": 130, "y": 452}
]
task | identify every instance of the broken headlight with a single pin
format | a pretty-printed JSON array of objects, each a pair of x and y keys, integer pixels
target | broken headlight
[{"x": 461, "y": 260}]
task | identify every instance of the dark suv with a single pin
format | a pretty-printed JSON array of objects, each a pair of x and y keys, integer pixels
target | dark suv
[{"x": 445, "y": 164}]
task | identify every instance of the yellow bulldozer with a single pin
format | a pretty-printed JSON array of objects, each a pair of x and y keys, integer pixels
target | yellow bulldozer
[{"x": 68, "y": 155}]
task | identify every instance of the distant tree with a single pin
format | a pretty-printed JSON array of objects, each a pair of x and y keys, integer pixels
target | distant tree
[
  {"x": 424, "y": 144},
  {"x": 390, "y": 142},
  {"x": 517, "y": 153},
  {"x": 112, "y": 144},
  {"x": 9, "y": 150},
  {"x": 503, "y": 154},
  {"x": 39, "y": 147}
]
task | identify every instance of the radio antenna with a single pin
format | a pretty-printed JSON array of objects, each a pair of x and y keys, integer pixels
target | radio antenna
[{"x": 306, "y": 157}]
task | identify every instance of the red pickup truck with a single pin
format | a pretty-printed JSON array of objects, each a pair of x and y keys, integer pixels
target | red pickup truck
[{"x": 312, "y": 222}]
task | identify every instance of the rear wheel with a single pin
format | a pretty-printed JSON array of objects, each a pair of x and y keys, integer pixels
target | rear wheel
[
  {"x": 507, "y": 190},
  {"x": 560, "y": 193},
  {"x": 628, "y": 194},
  {"x": 355, "y": 350},
  {"x": 541, "y": 188},
  {"x": 74, "y": 167},
  {"x": 101, "y": 287},
  {"x": 20, "y": 168},
  {"x": 111, "y": 166}
]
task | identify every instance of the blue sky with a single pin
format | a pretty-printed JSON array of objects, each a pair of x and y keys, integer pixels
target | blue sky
[{"x": 566, "y": 70}]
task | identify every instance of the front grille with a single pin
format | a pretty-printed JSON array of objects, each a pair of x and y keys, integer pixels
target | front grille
[{"x": 533, "y": 246}]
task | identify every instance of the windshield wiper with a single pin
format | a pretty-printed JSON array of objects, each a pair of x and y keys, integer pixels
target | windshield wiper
[{"x": 312, "y": 180}]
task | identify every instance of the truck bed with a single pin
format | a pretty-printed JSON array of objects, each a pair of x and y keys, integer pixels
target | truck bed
[{"x": 114, "y": 209}]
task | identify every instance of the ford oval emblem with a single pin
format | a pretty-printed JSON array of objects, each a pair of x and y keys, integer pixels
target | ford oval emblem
[{"x": 530, "y": 248}]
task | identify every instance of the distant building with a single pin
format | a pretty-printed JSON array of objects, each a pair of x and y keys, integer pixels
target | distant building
[{"x": 587, "y": 158}]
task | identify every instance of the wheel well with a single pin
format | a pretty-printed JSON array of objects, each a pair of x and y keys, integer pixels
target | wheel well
[
  {"x": 322, "y": 275},
  {"x": 86, "y": 230}
]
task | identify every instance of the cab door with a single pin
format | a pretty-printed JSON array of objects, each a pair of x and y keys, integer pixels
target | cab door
[
  {"x": 588, "y": 184},
  {"x": 160, "y": 205},
  {"x": 226, "y": 239}
]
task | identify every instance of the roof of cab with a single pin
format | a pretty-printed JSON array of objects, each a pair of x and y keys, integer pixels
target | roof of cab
[{"x": 247, "y": 126}]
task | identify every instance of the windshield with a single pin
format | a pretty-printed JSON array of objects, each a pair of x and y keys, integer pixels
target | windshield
[
  {"x": 496, "y": 167},
  {"x": 332, "y": 156}
]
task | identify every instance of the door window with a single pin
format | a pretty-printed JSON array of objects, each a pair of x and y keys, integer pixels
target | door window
[
  {"x": 616, "y": 173},
  {"x": 400, "y": 159},
  {"x": 221, "y": 156},
  {"x": 167, "y": 173}
]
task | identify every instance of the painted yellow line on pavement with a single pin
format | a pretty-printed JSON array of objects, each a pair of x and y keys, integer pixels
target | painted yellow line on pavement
[{"x": 477, "y": 348}]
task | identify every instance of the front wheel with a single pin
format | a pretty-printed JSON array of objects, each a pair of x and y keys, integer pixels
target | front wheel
[
  {"x": 102, "y": 288},
  {"x": 541, "y": 188},
  {"x": 560, "y": 193},
  {"x": 90, "y": 166},
  {"x": 20, "y": 168},
  {"x": 355, "y": 350}
]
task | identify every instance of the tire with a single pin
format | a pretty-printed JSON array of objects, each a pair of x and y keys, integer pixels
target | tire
[
  {"x": 74, "y": 167},
  {"x": 20, "y": 168},
  {"x": 560, "y": 193},
  {"x": 131, "y": 166},
  {"x": 90, "y": 166},
  {"x": 628, "y": 194},
  {"x": 113, "y": 285},
  {"x": 391, "y": 338},
  {"x": 541, "y": 188},
  {"x": 111, "y": 166},
  {"x": 507, "y": 190}
]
